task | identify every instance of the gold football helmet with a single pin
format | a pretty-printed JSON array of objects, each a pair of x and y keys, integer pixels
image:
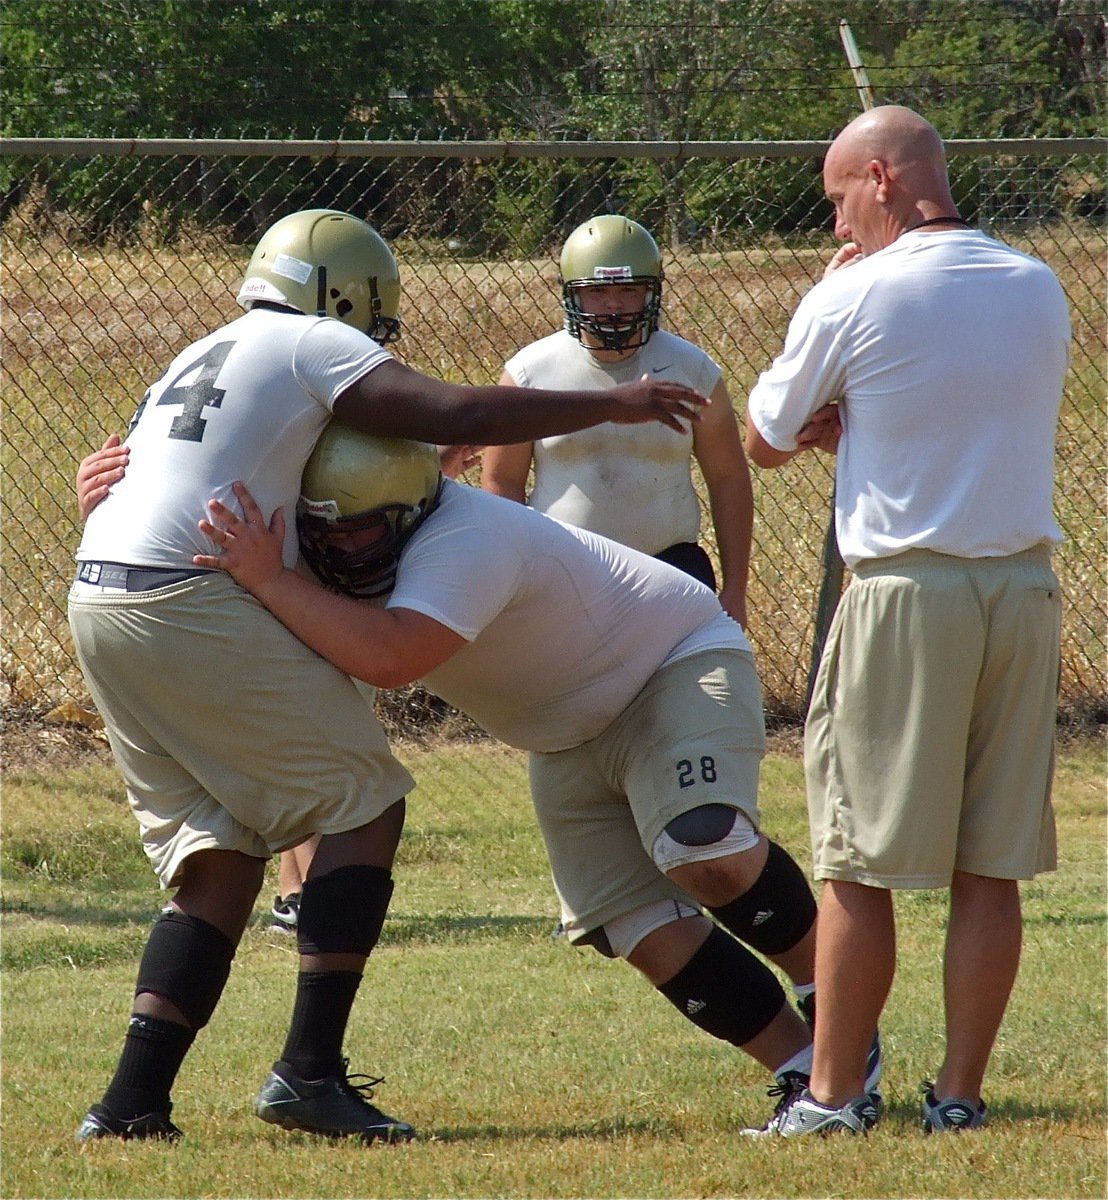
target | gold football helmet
[
  {"x": 361, "y": 499},
  {"x": 328, "y": 263},
  {"x": 605, "y": 250}
]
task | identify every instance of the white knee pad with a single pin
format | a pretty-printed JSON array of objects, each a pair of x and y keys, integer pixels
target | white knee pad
[
  {"x": 668, "y": 853},
  {"x": 625, "y": 933}
]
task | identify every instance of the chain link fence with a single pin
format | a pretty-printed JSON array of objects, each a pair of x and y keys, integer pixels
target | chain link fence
[{"x": 116, "y": 254}]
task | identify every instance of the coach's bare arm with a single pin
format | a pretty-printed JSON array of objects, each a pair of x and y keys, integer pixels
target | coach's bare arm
[
  {"x": 385, "y": 647},
  {"x": 821, "y": 433}
]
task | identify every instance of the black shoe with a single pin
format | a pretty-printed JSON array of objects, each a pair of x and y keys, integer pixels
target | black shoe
[
  {"x": 874, "y": 1060},
  {"x": 335, "y": 1106},
  {"x": 286, "y": 913},
  {"x": 103, "y": 1123}
]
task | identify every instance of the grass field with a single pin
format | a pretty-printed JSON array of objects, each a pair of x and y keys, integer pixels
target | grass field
[{"x": 531, "y": 1069}]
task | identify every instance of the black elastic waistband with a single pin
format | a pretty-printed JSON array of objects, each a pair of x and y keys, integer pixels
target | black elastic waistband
[{"x": 134, "y": 579}]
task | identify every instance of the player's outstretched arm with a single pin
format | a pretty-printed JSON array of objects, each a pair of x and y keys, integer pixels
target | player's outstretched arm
[
  {"x": 395, "y": 401},
  {"x": 385, "y": 647},
  {"x": 98, "y": 471}
]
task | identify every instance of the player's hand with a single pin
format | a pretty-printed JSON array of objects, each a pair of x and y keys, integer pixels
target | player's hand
[
  {"x": 455, "y": 460},
  {"x": 98, "y": 471},
  {"x": 846, "y": 255},
  {"x": 823, "y": 431},
  {"x": 250, "y": 551},
  {"x": 733, "y": 600},
  {"x": 650, "y": 399}
]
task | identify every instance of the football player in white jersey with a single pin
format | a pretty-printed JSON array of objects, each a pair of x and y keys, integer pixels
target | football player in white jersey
[
  {"x": 632, "y": 485},
  {"x": 203, "y": 693},
  {"x": 634, "y": 692}
]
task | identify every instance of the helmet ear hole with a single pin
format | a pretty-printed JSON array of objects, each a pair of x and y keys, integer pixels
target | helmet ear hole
[{"x": 329, "y": 263}]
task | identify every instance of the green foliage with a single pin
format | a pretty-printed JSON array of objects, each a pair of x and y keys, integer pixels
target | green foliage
[
  {"x": 646, "y": 70},
  {"x": 993, "y": 69}
]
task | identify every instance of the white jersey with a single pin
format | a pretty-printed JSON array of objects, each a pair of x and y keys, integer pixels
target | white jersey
[
  {"x": 564, "y": 627},
  {"x": 246, "y": 402},
  {"x": 631, "y": 483},
  {"x": 948, "y": 351}
]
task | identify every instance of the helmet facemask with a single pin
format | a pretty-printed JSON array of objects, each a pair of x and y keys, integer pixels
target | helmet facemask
[
  {"x": 368, "y": 568},
  {"x": 613, "y": 331}
]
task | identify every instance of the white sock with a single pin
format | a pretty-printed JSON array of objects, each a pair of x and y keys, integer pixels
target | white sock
[{"x": 801, "y": 1061}]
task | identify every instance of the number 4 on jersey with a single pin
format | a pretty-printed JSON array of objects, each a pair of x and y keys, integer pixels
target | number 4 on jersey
[{"x": 195, "y": 396}]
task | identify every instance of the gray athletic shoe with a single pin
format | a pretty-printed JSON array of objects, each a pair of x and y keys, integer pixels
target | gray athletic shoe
[
  {"x": 285, "y": 914},
  {"x": 804, "y": 1114},
  {"x": 334, "y": 1106},
  {"x": 789, "y": 1085},
  {"x": 953, "y": 1115},
  {"x": 792, "y": 1089}
]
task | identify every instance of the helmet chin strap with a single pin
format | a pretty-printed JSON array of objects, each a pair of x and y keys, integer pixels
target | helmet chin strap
[{"x": 321, "y": 292}]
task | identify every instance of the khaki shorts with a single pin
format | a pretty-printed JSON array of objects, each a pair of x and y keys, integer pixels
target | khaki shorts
[
  {"x": 694, "y": 735},
  {"x": 230, "y": 733},
  {"x": 929, "y": 742}
]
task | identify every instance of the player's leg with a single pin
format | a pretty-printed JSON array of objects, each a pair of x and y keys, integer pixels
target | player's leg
[
  {"x": 184, "y": 969},
  {"x": 292, "y": 870},
  {"x": 758, "y": 892},
  {"x": 342, "y": 910},
  {"x": 694, "y": 792},
  {"x": 712, "y": 981},
  {"x": 616, "y": 900}
]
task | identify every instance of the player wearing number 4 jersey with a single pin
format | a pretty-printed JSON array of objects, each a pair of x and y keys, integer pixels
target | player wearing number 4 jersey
[
  {"x": 234, "y": 740},
  {"x": 634, "y": 691}
]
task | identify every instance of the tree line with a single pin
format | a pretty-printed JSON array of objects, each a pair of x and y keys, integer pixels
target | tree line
[{"x": 640, "y": 70}]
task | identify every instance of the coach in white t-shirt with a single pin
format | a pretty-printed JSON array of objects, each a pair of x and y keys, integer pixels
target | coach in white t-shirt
[{"x": 933, "y": 358}]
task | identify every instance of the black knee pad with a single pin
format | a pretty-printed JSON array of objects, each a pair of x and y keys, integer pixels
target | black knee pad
[
  {"x": 776, "y": 911},
  {"x": 187, "y": 961},
  {"x": 598, "y": 940},
  {"x": 343, "y": 911},
  {"x": 703, "y": 825},
  {"x": 725, "y": 990}
]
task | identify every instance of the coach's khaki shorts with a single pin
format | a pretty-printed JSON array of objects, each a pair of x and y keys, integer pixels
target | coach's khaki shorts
[
  {"x": 229, "y": 732},
  {"x": 929, "y": 742},
  {"x": 694, "y": 735}
]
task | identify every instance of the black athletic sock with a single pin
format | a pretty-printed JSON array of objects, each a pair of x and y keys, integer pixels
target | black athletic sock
[
  {"x": 153, "y": 1051},
  {"x": 319, "y": 1019}
]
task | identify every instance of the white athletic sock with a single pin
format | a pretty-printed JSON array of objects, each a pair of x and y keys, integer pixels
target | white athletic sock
[{"x": 801, "y": 1061}]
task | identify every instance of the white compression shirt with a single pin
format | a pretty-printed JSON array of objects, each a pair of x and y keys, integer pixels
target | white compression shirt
[
  {"x": 631, "y": 483},
  {"x": 948, "y": 351},
  {"x": 564, "y": 627},
  {"x": 246, "y": 402}
]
